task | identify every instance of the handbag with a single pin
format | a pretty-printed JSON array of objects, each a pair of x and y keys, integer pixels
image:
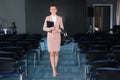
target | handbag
[{"x": 65, "y": 39}]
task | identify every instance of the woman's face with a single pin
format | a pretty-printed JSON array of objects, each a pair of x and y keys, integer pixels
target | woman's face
[{"x": 53, "y": 10}]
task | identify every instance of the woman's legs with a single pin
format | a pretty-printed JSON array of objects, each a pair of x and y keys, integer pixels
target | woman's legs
[
  {"x": 54, "y": 62},
  {"x": 56, "y": 59}
]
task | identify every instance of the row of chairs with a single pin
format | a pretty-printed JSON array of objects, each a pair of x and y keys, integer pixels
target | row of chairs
[
  {"x": 101, "y": 56},
  {"x": 96, "y": 59},
  {"x": 14, "y": 49},
  {"x": 96, "y": 37}
]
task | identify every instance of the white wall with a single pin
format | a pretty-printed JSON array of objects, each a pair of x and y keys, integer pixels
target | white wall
[{"x": 14, "y": 10}]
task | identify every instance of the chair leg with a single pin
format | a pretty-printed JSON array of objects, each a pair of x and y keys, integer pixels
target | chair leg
[
  {"x": 78, "y": 59},
  {"x": 40, "y": 48},
  {"x": 75, "y": 49},
  {"x": 39, "y": 54},
  {"x": 85, "y": 72},
  {"x": 21, "y": 76},
  {"x": 26, "y": 67},
  {"x": 35, "y": 54},
  {"x": 45, "y": 45}
]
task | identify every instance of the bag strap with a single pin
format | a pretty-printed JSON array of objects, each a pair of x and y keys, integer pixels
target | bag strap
[{"x": 64, "y": 32}]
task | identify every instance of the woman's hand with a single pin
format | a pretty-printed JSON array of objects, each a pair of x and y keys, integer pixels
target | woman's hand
[{"x": 52, "y": 28}]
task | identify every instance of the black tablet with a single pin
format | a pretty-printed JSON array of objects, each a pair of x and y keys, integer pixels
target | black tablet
[{"x": 50, "y": 23}]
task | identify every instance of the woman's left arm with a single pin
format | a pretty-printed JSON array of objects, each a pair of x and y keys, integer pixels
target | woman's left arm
[{"x": 61, "y": 24}]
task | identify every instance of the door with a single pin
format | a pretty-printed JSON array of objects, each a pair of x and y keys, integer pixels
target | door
[{"x": 102, "y": 18}]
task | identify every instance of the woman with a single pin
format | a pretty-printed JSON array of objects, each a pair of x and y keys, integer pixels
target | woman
[{"x": 53, "y": 37}]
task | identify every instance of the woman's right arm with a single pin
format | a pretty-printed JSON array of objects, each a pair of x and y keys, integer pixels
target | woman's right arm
[{"x": 45, "y": 28}]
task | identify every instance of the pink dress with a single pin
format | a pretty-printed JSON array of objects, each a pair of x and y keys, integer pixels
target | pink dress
[{"x": 53, "y": 39}]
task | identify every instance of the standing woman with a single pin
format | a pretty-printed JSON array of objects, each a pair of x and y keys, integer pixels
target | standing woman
[{"x": 53, "y": 37}]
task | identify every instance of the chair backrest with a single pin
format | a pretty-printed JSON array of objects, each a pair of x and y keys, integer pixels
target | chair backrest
[
  {"x": 34, "y": 36},
  {"x": 108, "y": 74},
  {"x": 116, "y": 55},
  {"x": 95, "y": 55},
  {"x": 7, "y": 65},
  {"x": 84, "y": 45},
  {"x": 25, "y": 44},
  {"x": 105, "y": 63},
  {"x": 115, "y": 47},
  {"x": 105, "y": 42},
  {"x": 3, "y": 44},
  {"x": 98, "y": 47},
  {"x": 18, "y": 50},
  {"x": 9, "y": 55}
]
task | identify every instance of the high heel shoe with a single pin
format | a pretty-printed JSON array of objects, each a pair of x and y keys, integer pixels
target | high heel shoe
[{"x": 55, "y": 73}]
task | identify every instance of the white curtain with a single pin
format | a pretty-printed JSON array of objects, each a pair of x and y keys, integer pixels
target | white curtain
[{"x": 118, "y": 13}]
